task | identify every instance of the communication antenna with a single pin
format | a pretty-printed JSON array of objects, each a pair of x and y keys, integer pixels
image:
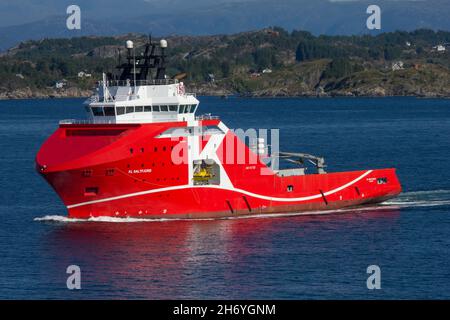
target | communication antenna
[
  {"x": 130, "y": 47},
  {"x": 161, "y": 73}
]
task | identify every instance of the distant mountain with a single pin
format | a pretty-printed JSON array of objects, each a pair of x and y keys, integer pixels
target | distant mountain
[{"x": 202, "y": 17}]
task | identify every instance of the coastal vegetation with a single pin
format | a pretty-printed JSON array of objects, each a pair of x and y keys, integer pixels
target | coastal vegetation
[{"x": 268, "y": 62}]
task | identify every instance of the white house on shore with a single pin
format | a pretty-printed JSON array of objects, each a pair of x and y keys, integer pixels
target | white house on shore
[
  {"x": 399, "y": 65},
  {"x": 83, "y": 74},
  {"x": 440, "y": 48},
  {"x": 60, "y": 84}
]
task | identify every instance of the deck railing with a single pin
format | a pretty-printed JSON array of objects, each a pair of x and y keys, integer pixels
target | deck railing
[
  {"x": 87, "y": 121},
  {"x": 206, "y": 117},
  {"x": 130, "y": 83}
]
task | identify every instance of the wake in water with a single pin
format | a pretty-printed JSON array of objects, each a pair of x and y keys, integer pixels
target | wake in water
[
  {"x": 421, "y": 199},
  {"x": 405, "y": 200},
  {"x": 64, "y": 219},
  {"x": 56, "y": 218}
]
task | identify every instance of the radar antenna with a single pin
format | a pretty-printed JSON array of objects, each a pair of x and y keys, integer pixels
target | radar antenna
[{"x": 144, "y": 64}]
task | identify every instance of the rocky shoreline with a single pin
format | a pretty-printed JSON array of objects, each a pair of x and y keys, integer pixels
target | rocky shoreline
[
  {"x": 208, "y": 90},
  {"x": 85, "y": 94},
  {"x": 28, "y": 93}
]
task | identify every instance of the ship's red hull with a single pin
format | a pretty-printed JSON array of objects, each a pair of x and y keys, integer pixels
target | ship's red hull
[{"x": 124, "y": 171}]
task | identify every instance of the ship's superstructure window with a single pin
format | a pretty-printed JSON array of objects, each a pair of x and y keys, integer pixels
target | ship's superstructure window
[
  {"x": 120, "y": 110},
  {"x": 97, "y": 111},
  {"x": 187, "y": 108},
  {"x": 109, "y": 111}
]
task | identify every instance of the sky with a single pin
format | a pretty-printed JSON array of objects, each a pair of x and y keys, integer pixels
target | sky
[
  {"x": 17, "y": 12},
  {"x": 22, "y": 20}
]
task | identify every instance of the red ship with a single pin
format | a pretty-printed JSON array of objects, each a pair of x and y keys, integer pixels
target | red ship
[{"x": 142, "y": 152}]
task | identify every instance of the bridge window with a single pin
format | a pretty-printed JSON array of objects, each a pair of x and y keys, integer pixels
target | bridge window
[
  {"x": 109, "y": 111},
  {"x": 148, "y": 109},
  {"x": 97, "y": 111},
  {"x": 129, "y": 109},
  {"x": 120, "y": 110},
  {"x": 164, "y": 108},
  {"x": 173, "y": 108},
  {"x": 138, "y": 108},
  {"x": 188, "y": 108},
  {"x": 156, "y": 109}
]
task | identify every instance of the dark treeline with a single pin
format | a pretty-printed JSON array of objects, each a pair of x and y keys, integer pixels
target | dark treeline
[{"x": 40, "y": 63}]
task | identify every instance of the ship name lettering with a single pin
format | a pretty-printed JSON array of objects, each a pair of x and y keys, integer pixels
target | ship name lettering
[{"x": 139, "y": 171}]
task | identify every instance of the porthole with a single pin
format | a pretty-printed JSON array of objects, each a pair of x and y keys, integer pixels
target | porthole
[{"x": 87, "y": 173}]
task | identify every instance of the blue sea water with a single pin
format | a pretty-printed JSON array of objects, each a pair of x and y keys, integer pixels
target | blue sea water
[{"x": 322, "y": 256}]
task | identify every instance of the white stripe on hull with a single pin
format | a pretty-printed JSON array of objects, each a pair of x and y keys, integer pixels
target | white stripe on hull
[{"x": 251, "y": 194}]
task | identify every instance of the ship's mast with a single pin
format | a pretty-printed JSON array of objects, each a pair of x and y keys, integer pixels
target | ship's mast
[{"x": 143, "y": 65}]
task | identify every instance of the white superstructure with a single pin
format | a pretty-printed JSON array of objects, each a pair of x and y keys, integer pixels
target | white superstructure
[
  {"x": 148, "y": 101},
  {"x": 133, "y": 98}
]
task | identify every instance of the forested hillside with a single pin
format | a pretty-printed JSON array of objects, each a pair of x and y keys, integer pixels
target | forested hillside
[{"x": 269, "y": 62}]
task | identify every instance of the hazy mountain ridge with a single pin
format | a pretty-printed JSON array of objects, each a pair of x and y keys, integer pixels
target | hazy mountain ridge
[{"x": 227, "y": 17}]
